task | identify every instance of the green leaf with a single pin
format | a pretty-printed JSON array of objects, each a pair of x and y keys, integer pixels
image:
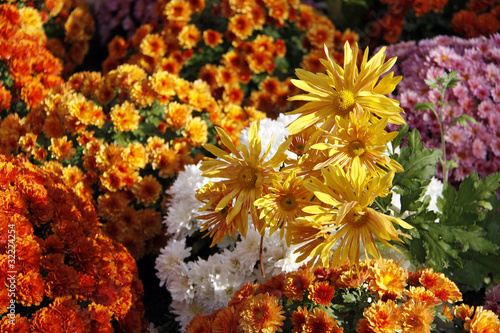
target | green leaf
[
  {"x": 462, "y": 120},
  {"x": 452, "y": 164},
  {"x": 438, "y": 251},
  {"x": 472, "y": 275},
  {"x": 424, "y": 106},
  {"x": 450, "y": 80},
  {"x": 473, "y": 239},
  {"x": 419, "y": 163},
  {"x": 349, "y": 298},
  {"x": 402, "y": 134},
  {"x": 432, "y": 83}
]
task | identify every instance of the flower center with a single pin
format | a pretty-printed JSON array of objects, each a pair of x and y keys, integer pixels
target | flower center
[
  {"x": 224, "y": 211},
  {"x": 345, "y": 102},
  {"x": 288, "y": 202},
  {"x": 248, "y": 177},
  {"x": 357, "y": 218},
  {"x": 357, "y": 148}
]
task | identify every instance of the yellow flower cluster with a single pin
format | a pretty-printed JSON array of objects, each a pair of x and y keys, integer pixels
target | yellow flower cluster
[
  {"x": 384, "y": 299},
  {"x": 322, "y": 200}
]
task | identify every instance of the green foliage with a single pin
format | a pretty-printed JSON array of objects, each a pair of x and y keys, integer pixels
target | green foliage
[
  {"x": 419, "y": 165},
  {"x": 462, "y": 239}
]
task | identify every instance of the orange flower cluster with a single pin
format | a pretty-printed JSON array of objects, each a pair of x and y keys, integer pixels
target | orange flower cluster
[
  {"x": 62, "y": 273},
  {"x": 27, "y": 69},
  {"x": 384, "y": 298},
  {"x": 67, "y": 24},
  {"x": 119, "y": 139},
  {"x": 244, "y": 50},
  {"x": 388, "y": 28},
  {"x": 481, "y": 18}
]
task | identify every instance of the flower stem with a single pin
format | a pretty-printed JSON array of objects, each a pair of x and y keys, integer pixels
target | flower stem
[{"x": 261, "y": 264}]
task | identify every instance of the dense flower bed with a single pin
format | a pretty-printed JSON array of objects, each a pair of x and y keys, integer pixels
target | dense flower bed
[
  {"x": 475, "y": 148},
  {"x": 381, "y": 297},
  {"x": 185, "y": 125},
  {"x": 59, "y": 272}
]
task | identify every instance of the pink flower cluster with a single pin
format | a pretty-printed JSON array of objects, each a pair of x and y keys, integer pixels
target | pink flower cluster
[
  {"x": 477, "y": 61},
  {"x": 121, "y": 17}
]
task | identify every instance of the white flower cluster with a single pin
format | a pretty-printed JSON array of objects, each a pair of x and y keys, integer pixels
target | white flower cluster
[{"x": 206, "y": 285}]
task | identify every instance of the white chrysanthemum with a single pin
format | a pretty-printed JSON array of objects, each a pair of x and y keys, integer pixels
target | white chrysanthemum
[
  {"x": 271, "y": 130},
  {"x": 249, "y": 248},
  {"x": 185, "y": 311},
  {"x": 225, "y": 284},
  {"x": 288, "y": 263},
  {"x": 183, "y": 205},
  {"x": 434, "y": 190},
  {"x": 237, "y": 263},
  {"x": 179, "y": 285},
  {"x": 171, "y": 257},
  {"x": 151, "y": 328},
  {"x": 187, "y": 182},
  {"x": 181, "y": 219},
  {"x": 200, "y": 271}
]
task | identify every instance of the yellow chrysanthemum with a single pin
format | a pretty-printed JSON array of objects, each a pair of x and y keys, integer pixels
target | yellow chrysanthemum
[
  {"x": 345, "y": 216},
  {"x": 284, "y": 203},
  {"x": 346, "y": 90},
  {"x": 245, "y": 173},
  {"x": 358, "y": 137},
  {"x": 216, "y": 221}
]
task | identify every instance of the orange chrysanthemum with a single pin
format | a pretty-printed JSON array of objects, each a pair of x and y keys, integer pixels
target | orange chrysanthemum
[
  {"x": 226, "y": 321},
  {"x": 212, "y": 38},
  {"x": 464, "y": 23},
  {"x": 177, "y": 115},
  {"x": 125, "y": 117},
  {"x": 298, "y": 319},
  {"x": 197, "y": 132},
  {"x": 178, "y": 10},
  {"x": 200, "y": 324},
  {"x": 62, "y": 149},
  {"x": 148, "y": 190},
  {"x": 420, "y": 294},
  {"x": 153, "y": 46},
  {"x": 321, "y": 292},
  {"x": 442, "y": 287},
  {"x": 5, "y": 98},
  {"x": 388, "y": 281},
  {"x": 262, "y": 313},
  {"x": 296, "y": 283},
  {"x": 383, "y": 316},
  {"x": 321, "y": 34},
  {"x": 189, "y": 36},
  {"x": 241, "y": 25},
  {"x": 416, "y": 317},
  {"x": 318, "y": 321},
  {"x": 484, "y": 321}
]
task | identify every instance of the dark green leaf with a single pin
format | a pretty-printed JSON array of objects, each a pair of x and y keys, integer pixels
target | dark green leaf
[{"x": 473, "y": 238}]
